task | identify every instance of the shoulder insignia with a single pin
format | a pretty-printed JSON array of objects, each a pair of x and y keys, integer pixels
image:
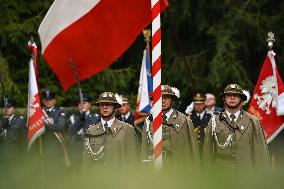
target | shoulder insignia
[
  {"x": 63, "y": 114},
  {"x": 177, "y": 125}
]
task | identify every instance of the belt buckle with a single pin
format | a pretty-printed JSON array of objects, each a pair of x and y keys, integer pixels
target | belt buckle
[{"x": 164, "y": 154}]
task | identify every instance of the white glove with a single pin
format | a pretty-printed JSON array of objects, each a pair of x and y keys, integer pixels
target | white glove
[{"x": 49, "y": 120}]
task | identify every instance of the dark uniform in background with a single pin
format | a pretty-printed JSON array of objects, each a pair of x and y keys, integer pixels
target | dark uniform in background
[
  {"x": 54, "y": 149},
  {"x": 110, "y": 142},
  {"x": 127, "y": 116},
  {"x": 200, "y": 119},
  {"x": 77, "y": 124},
  {"x": 13, "y": 137},
  {"x": 179, "y": 140},
  {"x": 234, "y": 139}
]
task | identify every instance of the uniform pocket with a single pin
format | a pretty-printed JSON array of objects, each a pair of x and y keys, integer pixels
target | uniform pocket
[
  {"x": 96, "y": 140},
  {"x": 222, "y": 135}
]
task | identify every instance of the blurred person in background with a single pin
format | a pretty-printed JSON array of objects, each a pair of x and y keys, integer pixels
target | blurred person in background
[
  {"x": 210, "y": 103},
  {"x": 200, "y": 119},
  {"x": 13, "y": 138},
  {"x": 77, "y": 124},
  {"x": 127, "y": 116}
]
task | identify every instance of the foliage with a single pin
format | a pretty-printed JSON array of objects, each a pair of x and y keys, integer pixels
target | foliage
[{"x": 205, "y": 46}]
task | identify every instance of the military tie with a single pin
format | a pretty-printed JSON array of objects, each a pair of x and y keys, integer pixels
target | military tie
[
  {"x": 47, "y": 112},
  {"x": 107, "y": 128},
  {"x": 198, "y": 116},
  {"x": 123, "y": 118},
  {"x": 232, "y": 116},
  {"x": 164, "y": 117}
]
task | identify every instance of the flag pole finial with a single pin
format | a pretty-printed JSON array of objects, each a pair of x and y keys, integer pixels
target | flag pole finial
[
  {"x": 270, "y": 40},
  {"x": 147, "y": 35}
]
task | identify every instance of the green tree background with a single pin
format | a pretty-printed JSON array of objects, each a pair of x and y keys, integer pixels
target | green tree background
[{"x": 205, "y": 46}]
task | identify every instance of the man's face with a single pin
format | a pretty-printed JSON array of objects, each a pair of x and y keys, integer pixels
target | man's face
[
  {"x": 166, "y": 102},
  {"x": 9, "y": 110},
  {"x": 48, "y": 103},
  {"x": 106, "y": 109},
  {"x": 124, "y": 108},
  {"x": 199, "y": 107},
  {"x": 232, "y": 100},
  {"x": 86, "y": 106},
  {"x": 210, "y": 100}
]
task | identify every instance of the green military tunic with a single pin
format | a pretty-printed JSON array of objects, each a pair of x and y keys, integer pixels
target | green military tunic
[
  {"x": 114, "y": 147},
  {"x": 239, "y": 145},
  {"x": 179, "y": 141}
]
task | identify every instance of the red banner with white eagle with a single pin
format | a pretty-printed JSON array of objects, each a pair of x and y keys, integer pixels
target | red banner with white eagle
[
  {"x": 35, "y": 113},
  {"x": 267, "y": 97}
]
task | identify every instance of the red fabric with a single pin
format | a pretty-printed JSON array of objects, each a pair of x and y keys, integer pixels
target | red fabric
[
  {"x": 270, "y": 121},
  {"x": 98, "y": 38},
  {"x": 33, "y": 47},
  {"x": 35, "y": 114},
  {"x": 35, "y": 121}
]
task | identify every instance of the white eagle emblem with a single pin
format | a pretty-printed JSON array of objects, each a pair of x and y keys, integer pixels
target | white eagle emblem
[{"x": 269, "y": 94}]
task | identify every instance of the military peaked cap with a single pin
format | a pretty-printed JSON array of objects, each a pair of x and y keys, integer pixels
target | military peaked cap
[
  {"x": 9, "y": 102},
  {"x": 198, "y": 98},
  {"x": 86, "y": 98},
  {"x": 47, "y": 95}
]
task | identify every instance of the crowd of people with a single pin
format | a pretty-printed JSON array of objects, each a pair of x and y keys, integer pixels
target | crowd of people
[{"x": 226, "y": 137}]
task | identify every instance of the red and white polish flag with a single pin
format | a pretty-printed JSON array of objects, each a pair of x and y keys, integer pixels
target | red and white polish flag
[
  {"x": 267, "y": 100},
  {"x": 91, "y": 33},
  {"x": 35, "y": 114}
]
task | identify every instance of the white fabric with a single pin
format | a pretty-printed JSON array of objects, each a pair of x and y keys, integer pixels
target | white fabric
[
  {"x": 280, "y": 105},
  {"x": 143, "y": 85},
  {"x": 200, "y": 114},
  {"x": 49, "y": 109},
  {"x": 109, "y": 122},
  {"x": 126, "y": 116},
  {"x": 169, "y": 113},
  {"x": 61, "y": 14},
  {"x": 237, "y": 114},
  {"x": 189, "y": 108},
  {"x": 210, "y": 111}
]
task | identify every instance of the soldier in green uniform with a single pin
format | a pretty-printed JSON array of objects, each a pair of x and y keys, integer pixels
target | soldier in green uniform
[
  {"x": 235, "y": 139},
  {"x": 179, "y": 140},
  {"x": 110, "y": 142}
]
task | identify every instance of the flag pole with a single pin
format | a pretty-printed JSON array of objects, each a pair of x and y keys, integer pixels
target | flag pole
[
  {"x": 156, "y": 74},
  {"x": 71, "y": 61},
  {"x": 147, "y": 35},
  {"x": 34, "y": 56}
]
